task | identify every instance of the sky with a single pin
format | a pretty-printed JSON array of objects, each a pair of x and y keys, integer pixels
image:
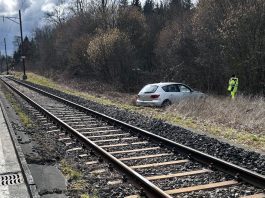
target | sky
[{"x": 32, "y": 17}]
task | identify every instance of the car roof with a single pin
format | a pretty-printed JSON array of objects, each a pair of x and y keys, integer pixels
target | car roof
[{"x": 164, "y": 83}]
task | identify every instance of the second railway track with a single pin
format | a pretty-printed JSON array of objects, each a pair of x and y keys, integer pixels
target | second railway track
[{"x": 160, "y": 167}]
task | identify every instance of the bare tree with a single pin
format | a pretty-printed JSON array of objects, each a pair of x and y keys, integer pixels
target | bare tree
[{"x": 59, "y": 14}]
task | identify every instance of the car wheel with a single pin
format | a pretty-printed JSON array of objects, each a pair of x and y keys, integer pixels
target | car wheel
[{"x": 166, "y": 103}]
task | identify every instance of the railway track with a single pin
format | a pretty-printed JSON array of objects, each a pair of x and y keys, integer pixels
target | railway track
[{"x": 158, "y": 166}]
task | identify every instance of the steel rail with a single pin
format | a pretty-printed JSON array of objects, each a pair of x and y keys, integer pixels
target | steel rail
[
  {"x": 149, "y": 188},
  {"x": 244, "y": 174}
]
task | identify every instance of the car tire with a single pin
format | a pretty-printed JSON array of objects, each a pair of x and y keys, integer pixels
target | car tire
[{"x": 166, "y": 103}]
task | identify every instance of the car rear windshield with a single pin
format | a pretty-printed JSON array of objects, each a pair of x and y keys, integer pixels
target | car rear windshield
[{"x": 150, "y": 89}]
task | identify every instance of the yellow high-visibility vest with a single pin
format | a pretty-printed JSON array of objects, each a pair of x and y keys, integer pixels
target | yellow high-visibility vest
[{"x": 233, "y": 84}]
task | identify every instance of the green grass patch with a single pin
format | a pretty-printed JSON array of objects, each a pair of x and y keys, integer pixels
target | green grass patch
[
  {"x": 70, "y": 172},
  {"x": 24, "y": 118},
  {"x": 78, "y": 185},
  {"x": 85, "y": 196},
  {"x": 93, "y": 195},
  {"x": 76, "y": 180}
]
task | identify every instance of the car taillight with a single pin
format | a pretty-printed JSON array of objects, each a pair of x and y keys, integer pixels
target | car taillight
[{"x": 154, "y": 96}]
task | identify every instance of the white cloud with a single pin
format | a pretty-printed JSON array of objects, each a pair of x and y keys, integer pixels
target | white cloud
[
  {"x": 48, "y": 7},
  {"x": 32, "y": 17},
  {"x": 7, "y": 7}
]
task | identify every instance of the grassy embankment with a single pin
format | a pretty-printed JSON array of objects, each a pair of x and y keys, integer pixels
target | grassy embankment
[
  {"x": 241, "y": 121},
  {"x": 24, "y": 118}
]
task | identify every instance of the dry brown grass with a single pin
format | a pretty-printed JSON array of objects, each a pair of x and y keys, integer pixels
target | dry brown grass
[
  {"x": 98, "y": 89},
  {"x": 243, "y": 113}
]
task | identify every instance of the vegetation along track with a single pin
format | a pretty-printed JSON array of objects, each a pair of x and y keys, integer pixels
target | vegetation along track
[{"x": 158, "y": 166}]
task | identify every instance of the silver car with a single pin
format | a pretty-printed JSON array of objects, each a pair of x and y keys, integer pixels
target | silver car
[{"x": 163, "y": 94}]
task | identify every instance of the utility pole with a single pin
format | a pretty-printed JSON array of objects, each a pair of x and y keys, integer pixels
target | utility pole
[
  {"x": 13, "y": 19},
  {"x": 1, "y": 61},
  {"x": 22, "y": 47},
  {"x": 6, "y": 58}
]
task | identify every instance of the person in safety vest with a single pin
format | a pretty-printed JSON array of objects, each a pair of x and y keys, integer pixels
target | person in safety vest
[{"x": 233, "y": 85}]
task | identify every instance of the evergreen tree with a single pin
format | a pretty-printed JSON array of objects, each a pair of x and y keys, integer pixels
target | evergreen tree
[
  {"x": 187, "y": 4},
  {"x": 137, "y": 4},
  {"x": 160, "y": 8},
  {"x": 149, "y": 7},
  {"x": 16, "y": 57},
  {"x": 180, "y": 4}
]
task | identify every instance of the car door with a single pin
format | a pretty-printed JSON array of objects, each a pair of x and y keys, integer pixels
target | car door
[
  {"x": 173, "y": 93},
  {"x": 185, "y": 91}
]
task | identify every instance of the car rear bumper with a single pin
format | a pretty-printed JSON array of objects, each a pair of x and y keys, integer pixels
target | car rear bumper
[{"x": 153, "y": 103}]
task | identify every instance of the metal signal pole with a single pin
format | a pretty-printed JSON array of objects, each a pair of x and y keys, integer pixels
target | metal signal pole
[
  {"x": 22, "y": 47},
  {"x": 6, "y": 58},
  {"x": 1, "y": 63}
]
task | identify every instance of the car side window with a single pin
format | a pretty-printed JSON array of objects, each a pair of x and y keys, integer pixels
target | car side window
[
  {"x": 171, "y": 88},
  {"x": 165, "y": 88},
  {"x": 184, "y": 89}
]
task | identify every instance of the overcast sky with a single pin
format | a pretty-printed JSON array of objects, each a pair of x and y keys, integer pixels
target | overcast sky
[{"x": 32, "y": 15}]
